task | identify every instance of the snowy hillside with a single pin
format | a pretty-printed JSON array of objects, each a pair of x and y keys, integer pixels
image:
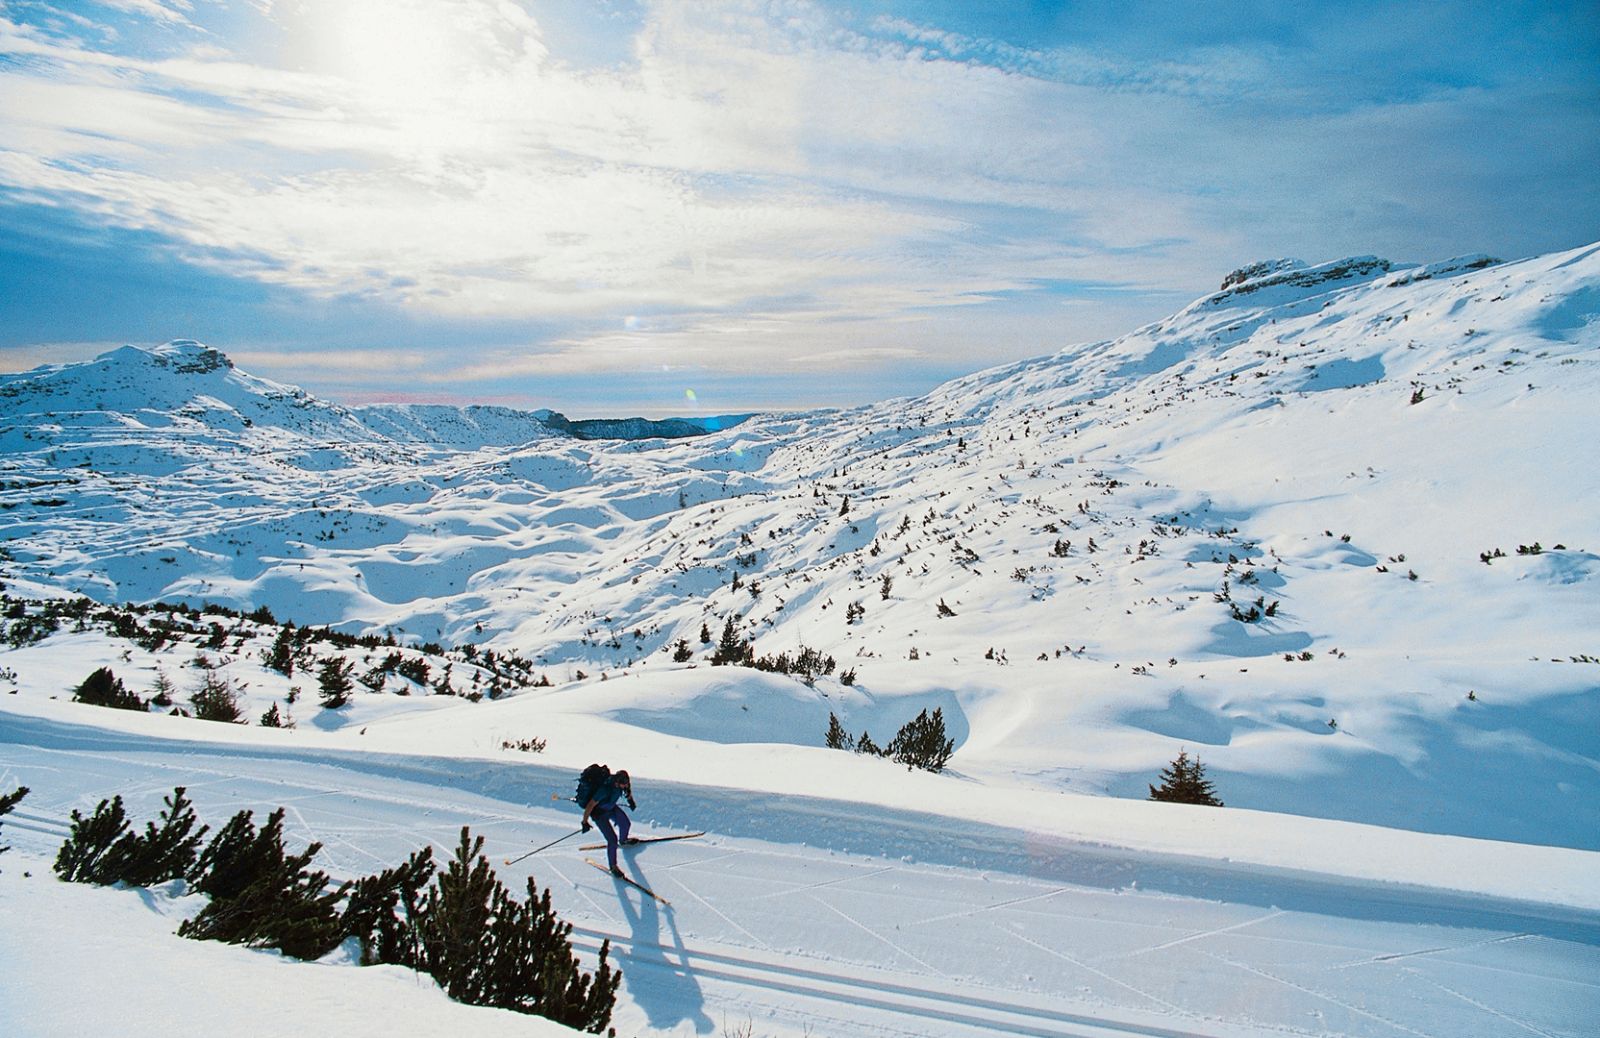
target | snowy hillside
[
  {"x": 1255, "y": 529},
  {"x": 1331, "y": 528}
]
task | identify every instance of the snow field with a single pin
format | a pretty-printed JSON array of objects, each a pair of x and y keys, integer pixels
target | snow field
[{"x": 857, "y": 919}]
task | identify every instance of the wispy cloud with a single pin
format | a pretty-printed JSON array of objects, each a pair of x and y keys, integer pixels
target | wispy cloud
[{"x": 760, "y": 187}]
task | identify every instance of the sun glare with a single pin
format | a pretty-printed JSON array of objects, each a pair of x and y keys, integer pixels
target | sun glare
[{"x": 412, "y": 65}]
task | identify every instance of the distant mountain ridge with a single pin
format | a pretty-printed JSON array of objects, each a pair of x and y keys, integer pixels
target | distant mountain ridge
[{"x": 187, "y": 383}]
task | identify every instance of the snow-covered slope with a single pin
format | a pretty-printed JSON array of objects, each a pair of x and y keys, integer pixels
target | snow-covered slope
[{"x": 1331, "y": 527}]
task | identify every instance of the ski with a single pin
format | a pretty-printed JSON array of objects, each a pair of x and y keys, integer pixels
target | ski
[
  {"x": 642, "y": 839},
  {"x": 630, "y": 881}
]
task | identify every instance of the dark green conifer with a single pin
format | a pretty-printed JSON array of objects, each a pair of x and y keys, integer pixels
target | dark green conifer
[
  {"x": 7, "y": 802},
  {"x": 838, "y": 738},
  {"x": 921, "y": 742},
  {"x": 261, "y": 896},
  {"x": 103, "y": 688},
  {"x": 333, "y": 682},
  {"x": 1184, "y": 782},
  {"x": 731, "y": 649},
  {"x": 215, "y": 700},
  {"x": 485, "y": 948}
]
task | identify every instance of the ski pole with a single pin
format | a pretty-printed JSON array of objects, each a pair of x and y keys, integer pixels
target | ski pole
[{"x": 536, "y": 850}]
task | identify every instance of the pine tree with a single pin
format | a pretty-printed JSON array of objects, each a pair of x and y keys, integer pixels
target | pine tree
[
  {"x": 333, "y": 682},
  {"x": 281, "y": 656},
  {"x": 261, "y": 896},
  {"x": 7, "y": 802},
  {"x": 485, "y": 948},
  {"x": 162, "y": 690},
  {"x": 165, "y": 853},
  {"x": 837, "y": 738},
  {"x": 921, "y": 742},
  {"x": 88, "y": 856},
  {"x": 103, "y": 688},
  {"x": 215, "y": 700},
  {"x": 1184, "y": 782},
  {"x": 89, "y": 840},
  {"x": 372, "y": 911},
  {"x": 731, "y": 648}
]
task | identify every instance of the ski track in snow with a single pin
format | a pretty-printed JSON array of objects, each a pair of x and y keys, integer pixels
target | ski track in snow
[{"x": 873, "y": 955}]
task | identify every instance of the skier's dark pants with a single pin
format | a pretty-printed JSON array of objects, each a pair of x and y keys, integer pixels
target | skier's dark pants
[{"x": 604, "y": 817}]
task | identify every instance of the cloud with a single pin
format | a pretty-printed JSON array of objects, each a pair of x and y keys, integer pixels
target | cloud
[
  {"x": 34, "y": 355},
  {"x": 345, "y": 363},
  {"x": 172, "y": 12},
  {"x": 774, "y": 187}
]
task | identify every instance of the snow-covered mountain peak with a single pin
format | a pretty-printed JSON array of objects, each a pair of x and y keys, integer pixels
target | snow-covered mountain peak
[
  {"x": 1275, "y": 282},
  {"x": 188, "y": 357}
]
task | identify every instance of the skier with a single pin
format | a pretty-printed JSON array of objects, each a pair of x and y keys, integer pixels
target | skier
[{"x": 604, "y": 809}]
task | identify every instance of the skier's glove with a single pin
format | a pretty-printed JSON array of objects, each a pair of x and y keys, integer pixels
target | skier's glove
[
  {"x": 633, "y": 803},
  {"x": 587, "y": 827}
]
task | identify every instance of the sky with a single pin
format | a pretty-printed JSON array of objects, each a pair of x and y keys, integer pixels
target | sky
[{"x": 618, "y": 207}]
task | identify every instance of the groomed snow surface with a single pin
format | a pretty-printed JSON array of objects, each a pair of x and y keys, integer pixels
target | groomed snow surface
[{"x": 799, "y": 914}]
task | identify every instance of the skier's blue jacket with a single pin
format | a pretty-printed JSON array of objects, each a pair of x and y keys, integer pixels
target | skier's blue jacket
[{"x": 607, "y": 794}]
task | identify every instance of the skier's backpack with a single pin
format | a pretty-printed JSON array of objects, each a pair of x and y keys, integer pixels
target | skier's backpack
[{"x": 593, "y": 777}]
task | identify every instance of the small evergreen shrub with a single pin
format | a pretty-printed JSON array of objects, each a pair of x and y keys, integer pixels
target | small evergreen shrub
[
  {"x": 806, "y": 664},
  {"x": 837, "y": 738},
  {"x": 486, "y": 948},
  {"x": 167, "y": 852},
  {"x": 378, "y": 910},
  {"x": 9, "y": 801},
  {"x": 103, "y": 688},
  {"x": 731, "y": 649},
  {"x": 281, "y": 656},
  {"x": 215, "y": 700},
  {"x": 102, "y": 850},
  {"x": 921, "y": 743},
  {"x": 1184, "y": 782},
  {"x": 415, "y": 669},
  {"x": 89, "y": 841},
  {"x": 333, "y": 682},
  {"x": 261, "y": 896}
]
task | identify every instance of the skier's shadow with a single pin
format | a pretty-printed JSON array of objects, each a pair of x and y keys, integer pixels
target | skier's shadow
[{"x": 664, "y": 989}]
